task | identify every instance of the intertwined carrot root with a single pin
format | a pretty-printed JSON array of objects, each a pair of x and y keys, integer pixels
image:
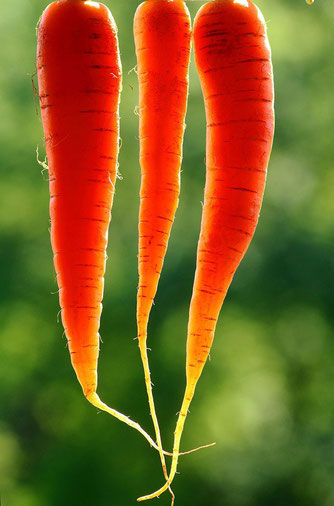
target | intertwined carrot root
[{"x": 177, "y": 440}]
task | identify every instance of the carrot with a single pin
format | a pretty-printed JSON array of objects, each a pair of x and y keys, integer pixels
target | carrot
[
  {"x": 233, "y": 59},
  {"x": 79, "y": 75},
  {"x": 162, "y": 36}
]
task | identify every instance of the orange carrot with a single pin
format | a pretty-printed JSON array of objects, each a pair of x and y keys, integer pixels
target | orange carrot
[
  {"x": 79, "y": 75},
  {"x": 233, "y": 59},
  {"x": 163, "y": 37}
]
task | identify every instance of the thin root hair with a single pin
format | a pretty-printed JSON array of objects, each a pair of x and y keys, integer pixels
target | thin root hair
[
  {"x": 43, "y": 163},
  {"x": 35, "y": 92},
  {"x": 134, "y": 69}
]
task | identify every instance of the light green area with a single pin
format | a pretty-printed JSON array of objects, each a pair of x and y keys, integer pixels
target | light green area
[{"x": 267, "y": 395}]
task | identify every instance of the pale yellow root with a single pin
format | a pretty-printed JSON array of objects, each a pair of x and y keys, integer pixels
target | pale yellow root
[
  {"x": 177, "y": 440},
  {"x": 95, "y": 400},
  {"x": 147, "y": 373}
]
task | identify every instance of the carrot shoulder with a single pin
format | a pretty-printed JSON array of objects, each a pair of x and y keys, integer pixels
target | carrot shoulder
[
  {"x": 79, "y": 75},
  {"x": 233, "y": 59}
]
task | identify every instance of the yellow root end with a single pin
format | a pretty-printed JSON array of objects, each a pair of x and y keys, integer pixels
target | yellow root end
[
  {"x": 147, "y": 374},
  {"x": 94, "y": 399}
]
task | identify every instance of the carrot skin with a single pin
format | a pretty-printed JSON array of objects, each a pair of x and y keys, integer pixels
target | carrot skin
[
  {"x": 79, "y": 76},
  {"x": 233, "y": 59},
  {"x": 163, "y": 38}
]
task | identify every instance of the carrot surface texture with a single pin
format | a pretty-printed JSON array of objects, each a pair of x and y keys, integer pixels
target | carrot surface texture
[
  {"x": 162, "y": 34},
  {"x": 79, "y": 76},
  {"x": 233, "y": 59}
]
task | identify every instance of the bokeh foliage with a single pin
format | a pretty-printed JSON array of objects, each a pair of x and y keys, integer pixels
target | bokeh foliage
[{"x": 266, "y": 396}]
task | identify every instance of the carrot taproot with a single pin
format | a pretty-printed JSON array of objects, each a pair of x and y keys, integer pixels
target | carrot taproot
[
  {"x": 233, "y": 59},
  {"x": 79, "y": 76},
  {"x": 162, "y": 34}
]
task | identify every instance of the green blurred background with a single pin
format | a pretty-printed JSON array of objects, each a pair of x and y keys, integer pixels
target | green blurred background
[{"x": 266, "y": 396}]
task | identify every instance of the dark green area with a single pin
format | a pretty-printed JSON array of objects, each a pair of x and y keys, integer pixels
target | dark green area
[{"x": 267, "y": 395}]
